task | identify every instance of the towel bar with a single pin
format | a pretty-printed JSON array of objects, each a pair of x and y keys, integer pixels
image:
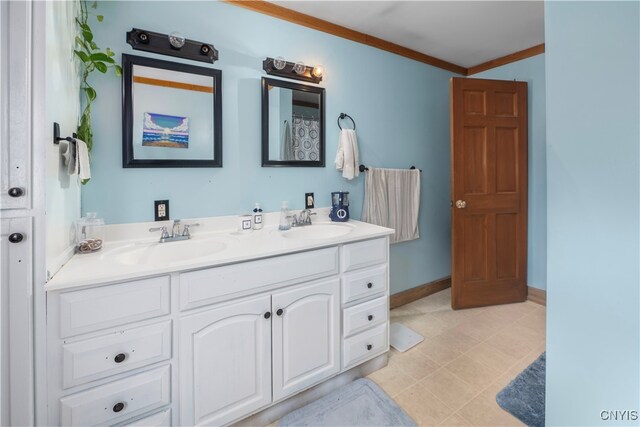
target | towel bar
[{"x": 363, "y": 168}]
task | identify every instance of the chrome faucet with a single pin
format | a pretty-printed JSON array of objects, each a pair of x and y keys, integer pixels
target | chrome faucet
[
  {"x": 175, "y": 232},
  {"x": 303, "y": 219}
]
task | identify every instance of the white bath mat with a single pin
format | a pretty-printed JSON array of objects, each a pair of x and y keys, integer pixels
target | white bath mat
[{"x": 403, "y": 338}]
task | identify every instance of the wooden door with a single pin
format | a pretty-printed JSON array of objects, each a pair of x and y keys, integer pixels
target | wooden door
[
  {"x": 488, "y": 192},
  {"x": 306, "y": 336},
  {"x": 225, "y": 362}
]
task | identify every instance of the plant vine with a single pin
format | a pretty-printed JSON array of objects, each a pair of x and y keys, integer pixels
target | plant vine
[{"x": 92, "y": 58}]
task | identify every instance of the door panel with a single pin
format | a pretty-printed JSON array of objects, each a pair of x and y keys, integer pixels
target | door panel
[
  {"x": 225, "y": 360},
  {"x": 489, "y": 191},
  {"x": 306, "y": 336}
]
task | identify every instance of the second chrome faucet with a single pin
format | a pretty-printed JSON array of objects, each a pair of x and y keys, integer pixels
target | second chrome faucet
[{"x": 175, "y": 232}]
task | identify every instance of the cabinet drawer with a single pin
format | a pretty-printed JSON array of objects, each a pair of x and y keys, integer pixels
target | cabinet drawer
[
  {"x": 365, "y": 345},
  {"x": 160, "y": 419},
  {"x": 122, "y": 351},
  {"x": 117, "y": 401},
  {"x": 93, "y": 309},
  {"x": 361, "y": 284},
  {"x": 363, "y": 254},
  {"x": 364, "y": 316},
  {"x": 198, "y": 288}
]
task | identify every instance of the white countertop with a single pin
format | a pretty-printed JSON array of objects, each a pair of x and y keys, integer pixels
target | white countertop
[{"x": 106, "y": 265}]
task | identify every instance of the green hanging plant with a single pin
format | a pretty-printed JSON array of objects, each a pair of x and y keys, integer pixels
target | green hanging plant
[{"x": 92, "y": 58}]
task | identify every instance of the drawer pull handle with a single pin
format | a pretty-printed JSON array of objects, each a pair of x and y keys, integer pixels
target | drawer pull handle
[
  {"x": 118, "y": 407},
  {"x": 369, "y": 285},
  {"x": 370, "y": 317},
  {"x": 279, "y": 312},
  {"x": 16, "y": 237},
  {"x": 369, "y": 347},
  {"x": 267, "y": 315},
  {"x": 119, "y": 357},
  {"x": 16, "y": 192}
]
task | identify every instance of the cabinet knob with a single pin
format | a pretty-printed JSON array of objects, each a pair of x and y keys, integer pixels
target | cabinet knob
[
  {"x": 279, "y": 312},
  {"x": 16, "y": 237},
  {"x": 16, "y": 192},
  {"x": 369, "y": 285},
  {"x": 118, "y": 407},
  {"x": 369, "y": 346},
  {"x": 119, "y": 357},
  {"x": 370, "y": 317},
  {"x": 267, "y": 315}
]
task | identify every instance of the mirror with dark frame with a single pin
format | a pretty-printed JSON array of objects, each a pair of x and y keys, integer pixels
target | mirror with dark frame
[
  {"x": 292, "y": 124},
  {"x": 172, "y": 114}
]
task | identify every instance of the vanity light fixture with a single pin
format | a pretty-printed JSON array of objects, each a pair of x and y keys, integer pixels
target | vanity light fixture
[
  {"x": 298, "y": 71},
  {"x": 174, "y": 44}
]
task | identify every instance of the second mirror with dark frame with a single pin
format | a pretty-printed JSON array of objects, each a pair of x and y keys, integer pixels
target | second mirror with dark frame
[{"x": 292, "y": 124}]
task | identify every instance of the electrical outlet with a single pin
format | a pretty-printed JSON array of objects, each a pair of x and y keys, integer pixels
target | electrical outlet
[
  {"x": 309, "y": 201},
  {"x": 161, "y": 211}
]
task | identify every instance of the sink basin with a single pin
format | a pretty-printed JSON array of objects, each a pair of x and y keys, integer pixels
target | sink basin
[
  {"x": 168, "y": 253},
  {"x": 317, "y": 231}
]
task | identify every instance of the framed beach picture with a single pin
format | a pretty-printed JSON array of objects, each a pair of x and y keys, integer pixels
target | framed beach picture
[{"x": 172, "y": 114}]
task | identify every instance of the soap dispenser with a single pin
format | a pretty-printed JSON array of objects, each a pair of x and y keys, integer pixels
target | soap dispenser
[
  {"x": 284, "y": 217},
  {"x": 257, "y": 217}
]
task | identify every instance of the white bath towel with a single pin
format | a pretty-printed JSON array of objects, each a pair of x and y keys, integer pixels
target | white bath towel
[
  {"x": 392, "y": 199},
  {"x": 82, "y": 166},
  {"x": 348, "y": 157}
]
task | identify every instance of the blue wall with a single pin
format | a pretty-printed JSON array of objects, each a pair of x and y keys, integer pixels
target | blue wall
[
  {"x": 531, "y": 70},
  {"x": 401, "y": 108},
  {"x": 593, "y": 173}
]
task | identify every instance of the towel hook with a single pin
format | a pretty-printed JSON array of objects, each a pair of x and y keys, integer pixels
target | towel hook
[
  {"x": 57, "y": 138},
  {"x": 342, "y": 116}
]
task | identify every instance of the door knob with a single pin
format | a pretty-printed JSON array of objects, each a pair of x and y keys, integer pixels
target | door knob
[
  {"x": 461, "y": 204},
  {"x": 16, "y": 192},
  {"x": 16, "y": 237}
]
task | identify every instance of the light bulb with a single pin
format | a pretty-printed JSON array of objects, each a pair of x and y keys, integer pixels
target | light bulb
[
  {"x": 279, "y": 63},
  {"x": 176, "y": 40},
  {"x": 299, "y": 67},
  {"x": 318, "y": 70}
]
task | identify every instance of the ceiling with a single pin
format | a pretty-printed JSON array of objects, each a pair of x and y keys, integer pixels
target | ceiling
[{"x": 465, "y": 33}]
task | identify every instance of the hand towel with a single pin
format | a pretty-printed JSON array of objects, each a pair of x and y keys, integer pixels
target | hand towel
[
  {"x": 348, "y": 156},
  {"x": 82, "y": 167},
  {"x": 286, "y": 148},
  {"x": 392, "y": 199}
]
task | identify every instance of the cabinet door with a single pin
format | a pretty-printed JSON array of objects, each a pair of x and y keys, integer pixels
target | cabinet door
[
  {"x": 225, "y": 361},
  {"x": 15, "y": 113},
  {"x": 306, "y": 336},
  {"x": 16, "y": 314}
]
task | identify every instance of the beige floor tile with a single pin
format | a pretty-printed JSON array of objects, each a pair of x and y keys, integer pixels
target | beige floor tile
[
  {"x": 456, "y": 340},
  {"x": 437, "y": 351},
  {"x": 426, "y": 325},
  {"x": 456, "y": 420},
  {"x": 392, "y": 379},
  {"x": 513, "y": 342},
  {"x": 477, "y": 375},
  {"x": 452, "y": 318},
  {"x": 484, "y": 411},
  {"x": 536, "y": 321},
  {"x": 492, "y": 357},
  {"x": 415, "y": 364},
  {"x": 421, "y": 405},
  {"x": 481, "y": 327},
  {"x": 450, "y": 389},
  {"x": 510, "y": 313}
]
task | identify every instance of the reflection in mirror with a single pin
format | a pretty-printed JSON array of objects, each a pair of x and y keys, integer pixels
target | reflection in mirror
[
  {"x": 292, "y": 124},
  {"x": 171, "y": 114}
]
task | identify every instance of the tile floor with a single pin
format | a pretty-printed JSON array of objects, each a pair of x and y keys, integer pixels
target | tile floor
[{"x": 452, "y": 377}]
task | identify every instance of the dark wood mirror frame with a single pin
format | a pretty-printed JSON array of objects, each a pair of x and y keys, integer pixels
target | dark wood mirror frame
[
  {"x": 128, "y": 159},
  {"x": 266, "y": 82}
]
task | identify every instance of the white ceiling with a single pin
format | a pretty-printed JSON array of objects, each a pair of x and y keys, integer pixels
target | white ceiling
[{"x": 465, "y": 33}]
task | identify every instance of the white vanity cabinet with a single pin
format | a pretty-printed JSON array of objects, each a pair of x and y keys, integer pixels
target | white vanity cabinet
[{"x": 215, "y": 345}]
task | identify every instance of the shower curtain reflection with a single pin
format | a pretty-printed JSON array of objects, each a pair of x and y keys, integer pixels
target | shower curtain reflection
[{"x": 306, "y": 138}]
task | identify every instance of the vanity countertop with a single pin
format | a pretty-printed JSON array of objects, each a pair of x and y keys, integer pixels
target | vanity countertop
[{"x": 211, "y": 245}]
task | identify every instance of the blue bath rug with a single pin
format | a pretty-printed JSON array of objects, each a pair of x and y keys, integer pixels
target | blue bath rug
[
  {"x": 360, "y": 403},
  {"x": 524, "y": 396}
]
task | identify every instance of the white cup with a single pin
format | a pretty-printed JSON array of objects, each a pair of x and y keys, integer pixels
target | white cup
[{"x": 245, "y": 223}]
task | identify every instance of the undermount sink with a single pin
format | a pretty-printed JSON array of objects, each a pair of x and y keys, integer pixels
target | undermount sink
[
  {"x": 168, "y": 253},
  {"x": 317, "y": 231}
]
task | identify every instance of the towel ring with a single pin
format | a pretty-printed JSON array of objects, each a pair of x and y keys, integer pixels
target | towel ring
[{"x": 343, "y": 116}]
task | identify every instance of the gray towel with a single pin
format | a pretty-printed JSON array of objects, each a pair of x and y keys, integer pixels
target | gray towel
[
  {"x": 392, "y": 199},
  {"x": 286, "y": 148}
]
